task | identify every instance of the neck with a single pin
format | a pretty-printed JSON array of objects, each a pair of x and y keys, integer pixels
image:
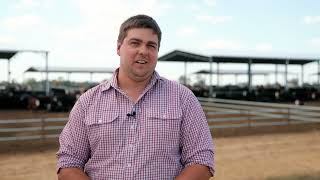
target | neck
[{"x": 131, "y": 87}]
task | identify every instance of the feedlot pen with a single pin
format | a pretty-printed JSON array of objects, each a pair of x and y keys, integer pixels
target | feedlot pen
[
  {"x": 285, "y": 156},
  {"x": 225, "y": 117}
]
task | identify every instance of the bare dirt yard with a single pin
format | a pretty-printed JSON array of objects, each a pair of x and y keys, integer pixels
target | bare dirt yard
[
  {"x": 269, "y": 157},
  {"x": 284, "y": 156}
]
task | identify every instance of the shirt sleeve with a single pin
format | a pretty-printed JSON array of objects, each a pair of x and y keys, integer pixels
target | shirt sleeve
[
  {"x": 74, "y": 148},
  {"x": 196, "y": 140}
]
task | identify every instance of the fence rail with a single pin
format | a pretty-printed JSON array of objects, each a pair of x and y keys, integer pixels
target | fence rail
[
  {"x": 31, "y": 129},
  {"x": 221, "y": 114}
]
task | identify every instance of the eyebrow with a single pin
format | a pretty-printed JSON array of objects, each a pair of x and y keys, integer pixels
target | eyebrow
[{"x": 139, "y": 40}]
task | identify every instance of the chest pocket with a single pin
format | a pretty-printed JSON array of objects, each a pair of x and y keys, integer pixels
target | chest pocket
[
  {"x": 163, "y": 126},
  {"x": 104, "y": 131}
]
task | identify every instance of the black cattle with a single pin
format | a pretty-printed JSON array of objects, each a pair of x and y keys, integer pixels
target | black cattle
[{"x": 62, "y": 101}]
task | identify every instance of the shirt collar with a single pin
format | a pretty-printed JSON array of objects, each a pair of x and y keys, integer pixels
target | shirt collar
[{"x": 113, "y": 82}]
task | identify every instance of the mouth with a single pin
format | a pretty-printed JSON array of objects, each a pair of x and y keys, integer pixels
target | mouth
[{"x": 141, "y": 61}]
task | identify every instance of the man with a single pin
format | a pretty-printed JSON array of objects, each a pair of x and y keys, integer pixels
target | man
[{"x": 138, "y": 125}]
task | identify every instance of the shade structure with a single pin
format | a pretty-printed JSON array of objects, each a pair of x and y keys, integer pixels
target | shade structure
[
  {"x": 71, "y": 70},
  {"x": 182, "y": 56},
  {"x": 9, "y": 54},
  {"x": 187, "y": 57}
]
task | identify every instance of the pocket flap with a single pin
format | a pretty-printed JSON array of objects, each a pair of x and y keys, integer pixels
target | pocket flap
[
  {"x": 107, "y": 117},
  {"x": 167, "y": 113}
]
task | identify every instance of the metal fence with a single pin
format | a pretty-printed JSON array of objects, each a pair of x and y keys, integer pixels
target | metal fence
[
  {"x": 221, "y": 113},
  {"x": 30, "y": 129}
]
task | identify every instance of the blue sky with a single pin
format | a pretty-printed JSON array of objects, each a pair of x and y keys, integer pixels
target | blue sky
[{"x": 83, "y": 33}]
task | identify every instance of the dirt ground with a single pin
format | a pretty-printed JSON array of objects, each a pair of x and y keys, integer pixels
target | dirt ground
[
  {"x": 269, "y": 156},
  {"x": 254, "y": 157}
]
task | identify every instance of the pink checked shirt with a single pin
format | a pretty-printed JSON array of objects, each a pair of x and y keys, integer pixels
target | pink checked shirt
[{"x": 110, "y": 137}]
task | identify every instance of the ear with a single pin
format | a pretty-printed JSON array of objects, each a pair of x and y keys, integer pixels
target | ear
[{"x": 118, "y": 48}]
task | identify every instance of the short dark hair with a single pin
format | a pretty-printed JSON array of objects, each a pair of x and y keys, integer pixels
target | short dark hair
[{"x": 139, "y": 21}]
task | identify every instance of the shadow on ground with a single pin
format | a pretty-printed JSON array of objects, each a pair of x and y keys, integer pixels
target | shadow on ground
[
  {"x": 28, "y": 146},
  {"x": 296, "y": 177}
]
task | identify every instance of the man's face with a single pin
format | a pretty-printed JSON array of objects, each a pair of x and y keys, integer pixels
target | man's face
[{"x": 138, "y": 53}]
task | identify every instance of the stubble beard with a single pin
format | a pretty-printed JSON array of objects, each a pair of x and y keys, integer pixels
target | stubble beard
[{"x": 141, "y": 76}]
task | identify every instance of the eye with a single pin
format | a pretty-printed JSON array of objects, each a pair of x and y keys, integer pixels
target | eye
[
  {"x": 153, "y": 46},
  {"x": 134, "y": 43}
]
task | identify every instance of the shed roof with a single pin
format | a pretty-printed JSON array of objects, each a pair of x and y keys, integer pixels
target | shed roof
[
  {"x": 240, "y": 72},
  {"x": 7, "y": 54},
  {"x": 71, "y": 70},
  {"x": 182, "y": 56}
]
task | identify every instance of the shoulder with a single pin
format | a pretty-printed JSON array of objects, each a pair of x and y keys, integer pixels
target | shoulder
[
  {"x": 180, "y": 93},
  {"x": 91, "y": 94},
  {"x": 176, "y": 88}
]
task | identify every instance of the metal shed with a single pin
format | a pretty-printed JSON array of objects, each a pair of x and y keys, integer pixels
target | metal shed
[
  {"x": 70, "y": 70},
  {"x": 182, "y": 56},
  {"x": 9, "y": 54}
]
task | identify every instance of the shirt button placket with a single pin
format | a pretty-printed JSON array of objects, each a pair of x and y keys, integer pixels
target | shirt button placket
[
  {"x": 131, "y": 138},
  {"x": 130, "y": 145}
]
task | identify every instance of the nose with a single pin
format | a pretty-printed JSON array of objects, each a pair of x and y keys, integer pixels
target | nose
[{"x": 143, "y": 50}]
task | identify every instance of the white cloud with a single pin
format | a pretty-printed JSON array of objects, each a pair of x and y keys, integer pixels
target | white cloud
[
  {"x": 95, "y": 38},
  {"x": 193, "y": 7},
  {"x": 30, "y": 4},
  {"x": 27, "y": 4},
  {"x": 27, "y": 20},
  {"x": 263, "y": 47},
  {"x": 120, "y": 9},
  {"x": 7, "y": 40},
  {"x": 311, "y": 19},
  {"x": 210, "y": 2},
  {"x": 315, "y": 41},
  {"x": 214, "y": 19},
  {"x": 223, "y": 45},
  {"x": 187, "y": 31},
  {"x": 102, "y": 18}
]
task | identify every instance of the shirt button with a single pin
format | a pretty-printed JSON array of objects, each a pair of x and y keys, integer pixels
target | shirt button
[
  {"x": 132, "y": 127},
  {"x": 99, "y": 121},
  {"x": 164, "y": 116},
  {"x": 130, "y": 145},
  {"x": 129, "y": 164}
]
